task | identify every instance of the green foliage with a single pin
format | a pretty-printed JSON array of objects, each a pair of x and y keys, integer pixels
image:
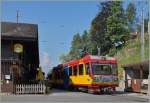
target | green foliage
[
  {"x": 98, "y": 30},
  {"x": 76, "y": 46},
  {"x": 87, "y": 44},
  {"x": 145, "y": 25},
  {"x": 131, "y": 16},
  {"x": 111, "y": 25},
  {"x": 131, "y": 53},
  {"x": 48, "y": 85},
  {"x": 65, "y": 58},
  {"x": 116, "y": 24},
  {"x": 107, "y": 28},
  {"x": 80, "y": 46},
  {"x": 131, "y": 12}
]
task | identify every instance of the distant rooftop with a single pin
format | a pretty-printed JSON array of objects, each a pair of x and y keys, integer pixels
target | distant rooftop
[{"x": 19, "y": 30}]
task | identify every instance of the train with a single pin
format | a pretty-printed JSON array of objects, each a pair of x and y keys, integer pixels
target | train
[{"x": 91, "y": 73}]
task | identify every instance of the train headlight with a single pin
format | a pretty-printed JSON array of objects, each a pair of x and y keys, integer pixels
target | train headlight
[{"x": 96, "y": 79}]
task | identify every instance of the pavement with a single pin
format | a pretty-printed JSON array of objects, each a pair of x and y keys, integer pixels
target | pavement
[{"x": 74, "y": 96}]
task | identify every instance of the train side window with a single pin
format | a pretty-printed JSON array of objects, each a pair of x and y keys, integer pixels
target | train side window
[
  {"x": 70, "y": 70},
  {"x": 75, "y": 70},
  {"x": 80, "y": 69},
  {"x": 87, "y": 68}
]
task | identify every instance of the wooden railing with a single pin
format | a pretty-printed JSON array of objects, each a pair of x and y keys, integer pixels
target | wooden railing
[{"x": 30, "y": 89}]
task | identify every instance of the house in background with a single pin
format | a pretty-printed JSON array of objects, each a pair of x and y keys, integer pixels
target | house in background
[
  {"x": 136, "y": 77},
  {"x": 19, "y": 54}
]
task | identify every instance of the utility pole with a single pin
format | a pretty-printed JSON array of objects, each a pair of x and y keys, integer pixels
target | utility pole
[
  {"x": 149, "y": 42},
  {"x": 99, "y": 50},
  {"x": 149, "y": 25},
  {"x": 17, "y": 15},
  {"x": 142, "y": 36}
]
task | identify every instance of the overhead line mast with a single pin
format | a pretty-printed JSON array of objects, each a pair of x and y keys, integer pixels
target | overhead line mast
[{"x": 142, "y": 35}]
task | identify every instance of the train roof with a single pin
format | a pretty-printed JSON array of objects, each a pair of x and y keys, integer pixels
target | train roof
[
  {"x": 99, "y": 57},
  {"x": 59, "y": 66},
  {"x": 93, "y": 58}
]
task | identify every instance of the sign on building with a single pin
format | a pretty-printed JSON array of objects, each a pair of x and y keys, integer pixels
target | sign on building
[
  {"x": 7, "y": 77},
  {"x": 18, "y": 48}
]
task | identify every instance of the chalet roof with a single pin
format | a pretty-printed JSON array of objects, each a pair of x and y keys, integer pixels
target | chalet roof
[
  {"x": 18, "y": 30},
  {"x": 136, "y": 66}
]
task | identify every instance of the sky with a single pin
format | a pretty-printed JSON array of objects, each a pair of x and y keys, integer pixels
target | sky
[{"x": 57, "y": 23}]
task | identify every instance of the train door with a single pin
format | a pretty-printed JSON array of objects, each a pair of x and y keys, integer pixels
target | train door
[
  {"x": 83, "y": 75},
  {"x": 66, "y": 78}
]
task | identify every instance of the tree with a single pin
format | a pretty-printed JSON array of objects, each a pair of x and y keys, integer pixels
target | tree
[
  {"x": 131, "y": 13},
  {"x": 80, "y": 46},
  {"x": 117, "y": 29},
  {"x": 98, "y": 30},
  {"x": 145, "y": 26},
  {"x": 76, "y": 46},
  {"x": 107, "y": 28},
  {"x": 86, "y": 43},
  {"x": 64, "y": 58}
]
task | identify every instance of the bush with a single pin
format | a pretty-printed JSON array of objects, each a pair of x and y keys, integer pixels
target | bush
[
  {"x": 48, "y": 85},
  {"x": 48, "y": 90}
]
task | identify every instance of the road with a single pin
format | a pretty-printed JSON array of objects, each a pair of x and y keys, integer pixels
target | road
[{"x": 72, "y": 96}]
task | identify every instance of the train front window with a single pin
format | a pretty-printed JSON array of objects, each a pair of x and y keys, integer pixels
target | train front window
[
  {"x": 87, "y": 67},
  {"x": 80, "y": 69},
  {"x": 101, "y": 68}
]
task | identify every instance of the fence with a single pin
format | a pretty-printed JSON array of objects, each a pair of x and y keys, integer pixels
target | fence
[
  {"x": 137, "y": 85},
  {"x": 30, "y": 89}
]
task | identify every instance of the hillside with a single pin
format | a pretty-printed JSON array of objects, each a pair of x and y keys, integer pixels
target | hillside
[{"x": 131, "y": 53}]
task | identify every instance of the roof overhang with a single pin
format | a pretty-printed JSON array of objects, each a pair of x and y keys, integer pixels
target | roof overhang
[{"x": 137, "y": 66}]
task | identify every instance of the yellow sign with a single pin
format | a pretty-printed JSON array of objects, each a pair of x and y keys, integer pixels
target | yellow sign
[
  {"x": 18, "y": 48},
  {"x": 40, "y": 74}
]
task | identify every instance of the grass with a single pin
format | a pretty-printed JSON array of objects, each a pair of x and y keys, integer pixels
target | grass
[{"x": 131, "y": 53}]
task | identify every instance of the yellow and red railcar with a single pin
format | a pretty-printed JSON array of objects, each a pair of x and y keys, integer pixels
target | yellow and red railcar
[{"x": 94, "y": 73}]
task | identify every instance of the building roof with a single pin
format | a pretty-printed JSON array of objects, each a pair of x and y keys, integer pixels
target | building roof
[
  {"x": 18, "y": 30},
  {"x": 144, "y": 65}
]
